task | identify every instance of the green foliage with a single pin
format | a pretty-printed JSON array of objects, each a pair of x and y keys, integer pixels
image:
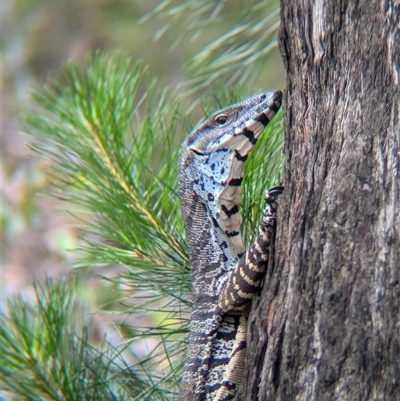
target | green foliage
[
  {"x": 46, "y": 355},
  {"x": 110, "y": 140},
  {"x": 111, "y": 136},
  {"x": 237, "y": 56}
]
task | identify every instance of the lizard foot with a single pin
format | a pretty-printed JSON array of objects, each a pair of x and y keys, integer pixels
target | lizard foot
[
  {"x": 272, "y": 193},
  {"x": 269, "y": 216}
]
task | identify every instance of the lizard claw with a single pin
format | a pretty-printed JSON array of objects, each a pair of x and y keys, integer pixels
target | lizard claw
[
  {"x": 270, "y": 195},
  {"x": 273, "y": 192}
]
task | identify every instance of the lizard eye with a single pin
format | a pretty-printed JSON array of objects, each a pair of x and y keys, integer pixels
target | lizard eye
[{"x": 221, "y": 119}]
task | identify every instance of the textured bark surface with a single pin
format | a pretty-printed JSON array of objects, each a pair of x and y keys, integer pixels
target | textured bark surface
[{"x": 327, "y": 324}]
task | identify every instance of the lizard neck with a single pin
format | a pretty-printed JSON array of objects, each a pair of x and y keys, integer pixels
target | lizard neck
[{"x": 214, "y": 250}]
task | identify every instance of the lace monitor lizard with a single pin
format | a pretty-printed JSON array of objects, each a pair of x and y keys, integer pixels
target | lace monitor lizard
[{"x": 224, "y": 275}]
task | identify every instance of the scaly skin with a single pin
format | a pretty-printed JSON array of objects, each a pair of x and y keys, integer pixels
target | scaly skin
[{"x": 225, "y": 276}]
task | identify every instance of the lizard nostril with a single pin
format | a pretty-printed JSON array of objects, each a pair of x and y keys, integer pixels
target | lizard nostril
[{"x": 263, "y": 96}]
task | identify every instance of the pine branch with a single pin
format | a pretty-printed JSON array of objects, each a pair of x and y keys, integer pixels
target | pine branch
[
  {"x": 46, "y": 354},
  {"x": 112, "y": 142}
]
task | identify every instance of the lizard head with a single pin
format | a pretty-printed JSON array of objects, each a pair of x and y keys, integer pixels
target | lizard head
[{"x": 213, "y": 156}]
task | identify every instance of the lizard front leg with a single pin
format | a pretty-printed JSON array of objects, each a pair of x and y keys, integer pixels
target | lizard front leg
[
  {"x": 246, "y": 278},
  {"x": 242, "y": 285}
]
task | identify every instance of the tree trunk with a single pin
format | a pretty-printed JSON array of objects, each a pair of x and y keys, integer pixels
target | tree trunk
[{"x": 327, "y": 324}]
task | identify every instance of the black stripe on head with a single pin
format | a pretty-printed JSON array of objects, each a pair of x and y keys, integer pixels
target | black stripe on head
[
  {"x": 263, "y": 119},
  {"x": 240, "y": 157},
  {"x": 249, "y": 135},
  {"x": 228, "y": 212},
  {"x": 274, "y": 107},
  {"x": 235, "y": 182}
]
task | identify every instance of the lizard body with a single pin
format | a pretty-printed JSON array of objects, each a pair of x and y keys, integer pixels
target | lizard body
[{"x": 224, "y": 275}]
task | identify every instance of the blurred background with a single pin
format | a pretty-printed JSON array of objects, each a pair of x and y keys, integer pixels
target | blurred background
[{"x": 38, "y": 234}]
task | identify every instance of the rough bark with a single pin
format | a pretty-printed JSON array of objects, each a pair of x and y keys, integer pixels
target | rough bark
[{"x": 327, "y": 324}]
